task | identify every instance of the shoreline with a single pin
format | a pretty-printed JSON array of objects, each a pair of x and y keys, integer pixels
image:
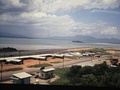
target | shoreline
[
  {"x": 51, "y": 51},
  {"x": 42, "y": 51}
]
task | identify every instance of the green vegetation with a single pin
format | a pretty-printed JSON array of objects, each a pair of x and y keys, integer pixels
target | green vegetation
[
  {"x": 63, "y": 78},
  {"x": 39, "y": 65},
  {"x": 13, "y": 69},
  {"x": 96, "y": 51},
  {"x": 56, "y": 62},
  {"x": 100, "y": 75},
  {"x": 7, "y": 49}
]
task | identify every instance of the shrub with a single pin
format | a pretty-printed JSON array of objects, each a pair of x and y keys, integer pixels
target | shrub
[
  {"x": 13, "y": 69},
  {"x": 39, "y": 65}
]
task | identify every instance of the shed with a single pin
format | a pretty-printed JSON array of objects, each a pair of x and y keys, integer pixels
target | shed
[
  {"x": 13, "y": 61},
  {"x": 47, "y": 73},
  {"x": 114, "y": 61},
  {"x": 58, "y": 56},
  {"x": 21, "y": 78}
]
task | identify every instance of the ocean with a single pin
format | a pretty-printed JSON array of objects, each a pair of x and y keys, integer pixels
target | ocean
[{"x": 35, "y": 44}]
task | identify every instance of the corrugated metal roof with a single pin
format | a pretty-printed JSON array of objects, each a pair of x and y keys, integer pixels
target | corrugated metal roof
[
  {"x": 49, "y": 69},
  {"x": 22, "y": 75},
  {"x": 34, "y": 56},
  {"x": 1, "y": 59},
  {"x": 59, "y": 55},
  {"x": 13, "y": 59}
]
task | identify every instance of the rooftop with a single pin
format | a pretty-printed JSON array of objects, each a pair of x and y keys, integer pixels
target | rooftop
[
  {"x": 49, "y": 69},
  {"x": 22, "y": 75}
]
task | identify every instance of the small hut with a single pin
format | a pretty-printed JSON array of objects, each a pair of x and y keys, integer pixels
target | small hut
[
  {"x": 21, "y": 78},
  {"x": 47, "y": 73}
]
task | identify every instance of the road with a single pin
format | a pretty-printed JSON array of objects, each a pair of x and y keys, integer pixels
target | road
[{"x": 87, "y": 61}]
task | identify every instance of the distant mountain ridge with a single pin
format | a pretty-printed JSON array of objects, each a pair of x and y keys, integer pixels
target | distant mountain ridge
[
  {"x": 81, "y": 38},
  {"x": 5, "y": 34},
  {"x": 93, "y": 39},
  {"x": 90, "y": 39}
]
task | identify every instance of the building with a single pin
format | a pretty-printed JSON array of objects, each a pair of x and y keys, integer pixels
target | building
[
  {"x": 47, "y": 73},
  {"x": 21, "y": 78},
  {"x": 114, "y": 61},
  {"x": 14, "y": 61}
]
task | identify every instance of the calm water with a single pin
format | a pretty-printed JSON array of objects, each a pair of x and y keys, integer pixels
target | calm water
[{"x": 34, "y": 44}]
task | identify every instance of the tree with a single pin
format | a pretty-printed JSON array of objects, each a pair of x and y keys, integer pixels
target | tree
[
  {"x": 116, "y": 80},
  {"x": 110, "y": 80},
  {"x": 100, "y": 75},
  {"x": 86, "y": 70},
  {"x": 74, "y": 81},
  {"x": 100, "y": 68},
  {"x": 106, "y": 80},
  {"x": 7, "y": 49},
  {"x": 88, "y": 80},
  {"x": 73, "y": 71}
]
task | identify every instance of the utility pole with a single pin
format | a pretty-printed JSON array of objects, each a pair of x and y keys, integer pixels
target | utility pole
[
  {"x": 91, "y": 57},
  {"x": 63, "y": 60},
  {"x": 19, "y": 53},
  {"x": 1, "y": 70},
  {"x": 2, "y": 65},
  {"x": 39, "y": 61},
  {"x": 4, "y": 55}
]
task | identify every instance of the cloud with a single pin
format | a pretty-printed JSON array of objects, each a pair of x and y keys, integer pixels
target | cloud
[
  {"x": 11, "y": 6},
  {"x": 105, "y": 11},
  {"x": 11, "y": 3},
  {"x": 22, "y": 19},
  {"x": 109, "y": 31},
  {"x": 51, "y": 6},
  {"x": 44, "y": 25},
  {"x": 39, "y": 24},
  {"x": 102, "y": 4},
  {"x": 71, "y": 28},
  {"x": 40, "y": 18},
  {"x": 99, "y": 28}
]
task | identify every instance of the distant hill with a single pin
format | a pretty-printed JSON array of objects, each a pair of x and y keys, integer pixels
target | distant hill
[
  {"x": 98, "y": 40},
  {"x": 6, "y": 34},
  {"x": 111, "y": 40},
  {"x": 80, "y": 38},
  {"x": 85, "y": 38},
  {"x": 90, "y": 39}
]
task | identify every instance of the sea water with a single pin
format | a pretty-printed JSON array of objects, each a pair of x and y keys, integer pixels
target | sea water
[{"x": 35, "y": 44}]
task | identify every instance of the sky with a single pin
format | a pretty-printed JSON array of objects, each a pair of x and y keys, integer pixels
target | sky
[{"x": 47, "y": 18}]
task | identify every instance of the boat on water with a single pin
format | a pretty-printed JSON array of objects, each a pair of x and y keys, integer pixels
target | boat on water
[{"x": 78, "y": 41}]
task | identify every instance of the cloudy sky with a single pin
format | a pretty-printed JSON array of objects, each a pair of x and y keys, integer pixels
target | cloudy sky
[{"x": 45, "y": 18}]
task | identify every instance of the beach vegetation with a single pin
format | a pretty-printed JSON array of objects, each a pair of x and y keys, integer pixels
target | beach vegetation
[
  {"x": 63, "y": 80},
  {"x": 99, "y": 75},
  {"x": 7, "y": 49},
  {"x": 99, "y": 51},
  {"x": 56, "y": 62},
  {"x": 39, "y": 65}
]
